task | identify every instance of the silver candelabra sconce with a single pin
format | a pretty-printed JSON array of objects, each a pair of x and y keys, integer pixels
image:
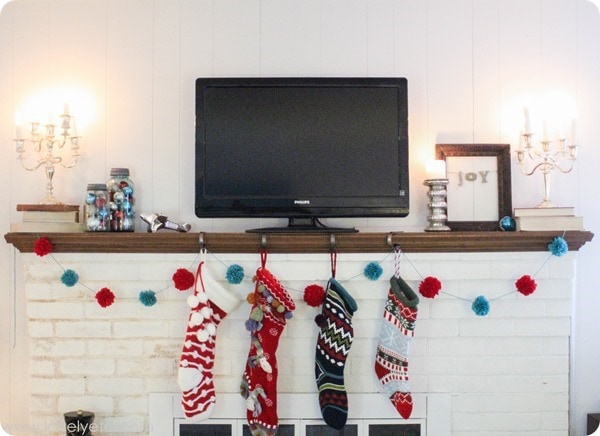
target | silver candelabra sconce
[
  {"x": 47, "y": 142},
  {"x": 559, "y": 154}
]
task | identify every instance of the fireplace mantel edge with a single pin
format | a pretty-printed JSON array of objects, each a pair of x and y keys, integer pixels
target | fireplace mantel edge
[{"x": 409, "y": 242}]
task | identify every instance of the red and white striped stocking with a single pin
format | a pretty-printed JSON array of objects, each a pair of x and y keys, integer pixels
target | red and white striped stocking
[{"x": 209, "y": 304}]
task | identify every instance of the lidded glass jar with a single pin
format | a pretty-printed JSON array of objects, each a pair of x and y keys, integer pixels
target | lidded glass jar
[
  {"x": 121, "y": 190},
  {"x": 96, "y": 208}
]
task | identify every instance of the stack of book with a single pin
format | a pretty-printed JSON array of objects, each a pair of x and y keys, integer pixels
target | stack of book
[
  {"x": 547, "y": 218},
  {"x": 48, "y": 218}
]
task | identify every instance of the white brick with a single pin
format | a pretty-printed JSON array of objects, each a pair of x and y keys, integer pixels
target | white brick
[
  {"x": 83, "y": 329},
  {"x": 87, "y": 367},
  {"x": 40, "y": 329},
  {"x": 115, "y": 385},
  {"x": 140, "y": 329},
  {"x": 57, "y": 386},
  {"x": 132, "y": 405},
  {"x": 115, "y": 348},
  {"x": 54, "y": 310},
  {"x": 488, "y": 327},
  {"x": 57, "y": 348},
  {"x": 129, "y": 424},
  {"x": 147, "y": 366},
  {"x": 543, "y": 327},
  {"x": 100, "y": 405},
  {"x": 42, "y": 367}
]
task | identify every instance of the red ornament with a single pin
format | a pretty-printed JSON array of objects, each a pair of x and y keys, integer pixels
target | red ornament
[
  {"x": 42, "y": 246},
  {"x": 105, "y": 297},
  {"x": 430, "y": 287},
  {"x": 314, "y": 295},
  {"x": 183, "y": 279},
  {"x": 526, "y": 285}
]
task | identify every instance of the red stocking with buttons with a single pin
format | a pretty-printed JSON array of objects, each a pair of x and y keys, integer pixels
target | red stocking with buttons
[{"x": 271, "y": 307}]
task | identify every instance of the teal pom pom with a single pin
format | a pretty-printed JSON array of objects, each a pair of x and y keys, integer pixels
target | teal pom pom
[
  {"x": 481, "y": 306},
  {"x": 373, "y": 271},
  {"x": 558, "y": 246},
  {"x": 235, "y": 274},
  {"x": 148, "y": 298},
  {"x": 69, "y": 278}
]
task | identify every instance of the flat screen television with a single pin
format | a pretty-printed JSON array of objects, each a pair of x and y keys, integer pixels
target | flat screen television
[{"x": 301, "y": 148}]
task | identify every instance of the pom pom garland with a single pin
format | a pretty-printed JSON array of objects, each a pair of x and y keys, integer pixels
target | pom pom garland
[
  {"x": 481, "y": 306},
  {"x": 430, "y": 287},
  {"x": 373, "y": 271},
  {"x": 105, "y": 297},
  {"x": 314, "y": 295},
  {"x": 235, "y": 274},
  {"x": 183, "y": 279},
  {"x": 42, "y": 246},
  {"x": 558, "y": 246},
  {"x": 148, "y": 298},
  {"x": 69, "y": 278},
  {"x": 526, "y": 285}
]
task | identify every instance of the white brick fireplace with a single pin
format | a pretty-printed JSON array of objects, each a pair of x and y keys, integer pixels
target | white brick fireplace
[{"x": 506, "y": 373}]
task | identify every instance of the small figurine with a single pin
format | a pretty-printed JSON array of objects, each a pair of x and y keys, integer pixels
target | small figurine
[{"x": 157, "y": 221}]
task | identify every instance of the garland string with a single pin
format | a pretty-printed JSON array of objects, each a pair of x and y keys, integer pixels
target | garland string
[{"x": 480, "y": 305}]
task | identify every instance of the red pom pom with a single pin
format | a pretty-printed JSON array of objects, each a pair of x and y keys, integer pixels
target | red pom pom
[
  {"x": 314, "y": 295},
  {"x": 42, "y": 246},
  {"x": 526, "y": 285},
  {"x": 183, "y": 279},
  {"x": 430, "y": 287},
  {"x": 105, "y": 297}
]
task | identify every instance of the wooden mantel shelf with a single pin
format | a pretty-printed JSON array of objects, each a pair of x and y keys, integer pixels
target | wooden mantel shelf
[{"x": 413, "y": 242}]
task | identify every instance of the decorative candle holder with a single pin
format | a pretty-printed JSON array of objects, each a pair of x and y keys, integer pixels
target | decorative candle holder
[
  {"x": 437, "y": 206},
  {"x": 546, "y": 159},
  {"x": 45, "y": 144}
]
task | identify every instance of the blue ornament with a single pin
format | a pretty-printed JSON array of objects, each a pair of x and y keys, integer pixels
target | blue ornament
[
  {"x": 558, "y": 246},
  {"x": 148, "y": 298},
  {"x": 235, "y": 274},
  {"x": 128, "y": 191},
  {"x": 481, "y": 306},
  {"x": 69, "y": 278},
  {"x": 373, "y": 271},
  {"x": 508, "y": 224},
  {"x": 90, "y": 198}
]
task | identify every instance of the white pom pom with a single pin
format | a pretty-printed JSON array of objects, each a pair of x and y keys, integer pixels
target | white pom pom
[
  {"x": 196, "y": 319},
  {"x": 202, "y": 297},
  {"x": 206, "y": 312},
  {"x": 192, "y": 301},
  {"x": 202, "y": 335},
  {"x": 211, "y": 329}
]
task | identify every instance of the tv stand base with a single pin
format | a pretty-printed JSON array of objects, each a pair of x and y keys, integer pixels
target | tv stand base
[{"x": 304, "y": 225}]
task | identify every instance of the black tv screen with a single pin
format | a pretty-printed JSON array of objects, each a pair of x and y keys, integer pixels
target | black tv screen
[{"x": 301, "y": 147}]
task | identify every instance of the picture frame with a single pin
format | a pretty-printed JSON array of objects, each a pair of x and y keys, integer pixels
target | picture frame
[{"x": 479, "y": 188}]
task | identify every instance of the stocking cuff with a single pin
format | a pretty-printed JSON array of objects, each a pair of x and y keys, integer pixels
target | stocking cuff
[
  {"x": 404, "y": 292},
  {"x": 275, "y": 288},
  {"x": 224, "y": 298}
]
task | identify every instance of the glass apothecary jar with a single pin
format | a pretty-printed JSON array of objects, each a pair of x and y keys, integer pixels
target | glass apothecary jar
[
  {"x": 121, "y": 191},
  {"x": 96, "y": 208}
]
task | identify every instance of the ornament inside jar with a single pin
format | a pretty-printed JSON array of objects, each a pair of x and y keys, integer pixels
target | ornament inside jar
[
  {"x": 96, "y": 208},
  {"x": 121, "y": 192}
]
